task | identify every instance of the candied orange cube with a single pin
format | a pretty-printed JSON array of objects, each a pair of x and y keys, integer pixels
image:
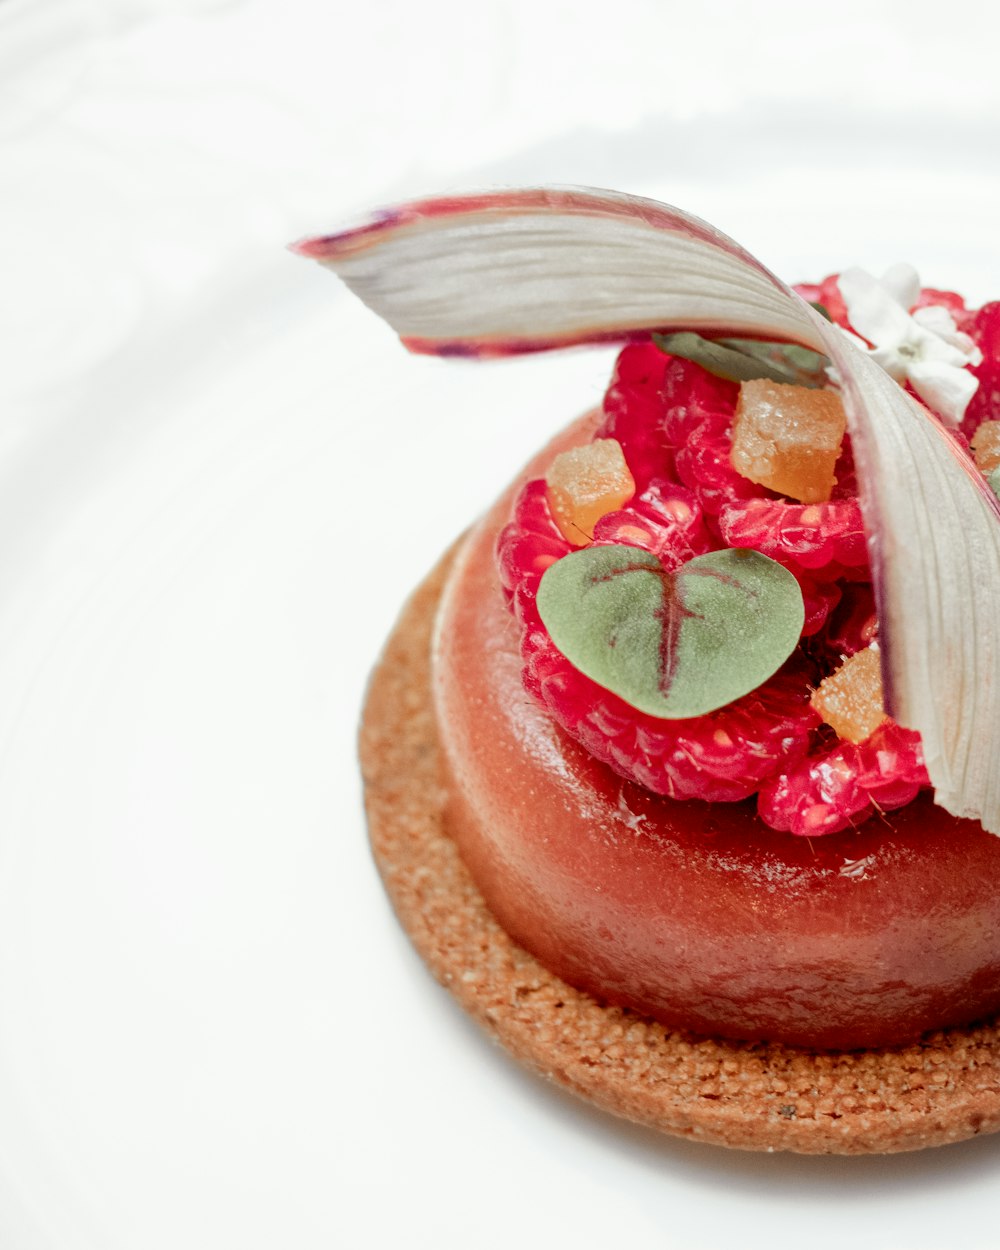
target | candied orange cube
[
  {"x": 850, "y": 699},
  {"x": 986, "y": 447},
  {"x": 584, "y": 484},
  {"x": 788, "y": 438}
]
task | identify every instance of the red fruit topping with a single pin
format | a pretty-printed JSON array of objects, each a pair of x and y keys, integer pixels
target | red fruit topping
[
  {"x": 704, "y": 466},
  {"x": 528, "y": 545},
  {"x": 722, "y": 757},
  {"x": 691, "y": 396},
  {"x": 809, "y": 291},
  {"x": 984, "y": 327},
  {"x": 841, "y": 786},
  {"x": 819, "y": 599},
  {"x": 985, "y": 403},
  {"x": 810, "y": 536},
  {"x": 673, "y": 421},
  {"x": 633, "y": 410},
  {"x": 830, "y": 297},
  {"x": 523, "y": 558},
  {"x": 666, "y": 520},
  {"x": 931, "y": 297}
]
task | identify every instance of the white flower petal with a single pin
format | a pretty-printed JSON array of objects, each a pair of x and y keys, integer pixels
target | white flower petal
[
  {"x": 903, "y": 283},
  {"x": 892, "y": 361},
  {"x": 937, "y": 319},
  {"x": 945, "y": 389},
  {"x": 872, "y": 311},
  {"x": 928, "y": 346}
]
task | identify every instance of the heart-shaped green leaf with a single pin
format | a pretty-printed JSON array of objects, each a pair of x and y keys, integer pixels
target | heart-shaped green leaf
[{"x": 672, "y": 644}]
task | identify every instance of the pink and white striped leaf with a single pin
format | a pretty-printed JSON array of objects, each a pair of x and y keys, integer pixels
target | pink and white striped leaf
[
  {"x": 507, "y": 272},
  {"x": 517, "y": 271}
]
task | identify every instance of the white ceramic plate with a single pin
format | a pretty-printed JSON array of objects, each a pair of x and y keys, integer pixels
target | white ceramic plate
[{"x": 218, "y": 479}]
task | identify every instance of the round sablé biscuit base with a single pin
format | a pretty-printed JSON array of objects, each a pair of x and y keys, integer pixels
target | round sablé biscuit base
[{"x": 944, "y": 1088}]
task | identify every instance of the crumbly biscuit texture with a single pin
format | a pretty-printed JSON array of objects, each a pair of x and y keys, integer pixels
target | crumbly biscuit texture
[{"x": 749, "y": 1096}]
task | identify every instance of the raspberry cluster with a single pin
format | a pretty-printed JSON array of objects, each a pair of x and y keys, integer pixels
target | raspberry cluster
[{"x": 673, "y": 421}]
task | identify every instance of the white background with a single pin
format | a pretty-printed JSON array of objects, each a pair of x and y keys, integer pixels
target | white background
[{"x": 219, "y": 477}]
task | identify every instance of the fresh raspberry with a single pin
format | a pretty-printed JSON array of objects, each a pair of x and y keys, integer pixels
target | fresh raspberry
[
  {"x": 533, "y": 514},
  {"x": 985, "y": 330},
  {"x": 704, "y": 466},
  {"x": 666, "y": 520},
  {"x": 830, "y": 790},
  {"x": 809, "y": 291},
  {"x": 633, "y": 411},
  {"x": 830, "y": 297},
  {"x": 722, "y": 757},
  {"x": 809, "y": 536},
  {"x": 692, "y": 397},
  {"x": 527, "y": 546},
  {"x": 891, "y": 766},
  {"x": 985, "y": 403},
  {"x": 932, "y": 297},
  {"x": 821, "y": 795},
  {"x": 523, "y": 558},
  {"x": 819, "y": 598}
]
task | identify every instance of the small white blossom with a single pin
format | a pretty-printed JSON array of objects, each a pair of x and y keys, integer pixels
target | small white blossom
[{"x": 926, "y": 349}]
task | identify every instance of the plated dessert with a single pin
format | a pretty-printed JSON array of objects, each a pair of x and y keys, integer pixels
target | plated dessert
[{"x": 680, "y": 768}]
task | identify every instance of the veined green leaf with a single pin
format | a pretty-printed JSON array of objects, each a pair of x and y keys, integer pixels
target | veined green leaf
[{"x": 673, "y": 644}]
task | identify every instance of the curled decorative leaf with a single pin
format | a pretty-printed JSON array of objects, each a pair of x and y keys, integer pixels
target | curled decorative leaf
[
  {"x": 745, "y": 360},
  {"x": 527, "y": 270},
  {"x": 516, "y": 271},
  {"x": 672, "y": 644}
]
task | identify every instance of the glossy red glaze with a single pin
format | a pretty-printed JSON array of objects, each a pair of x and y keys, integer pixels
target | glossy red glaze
[{"x": 698, "y": 914}]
